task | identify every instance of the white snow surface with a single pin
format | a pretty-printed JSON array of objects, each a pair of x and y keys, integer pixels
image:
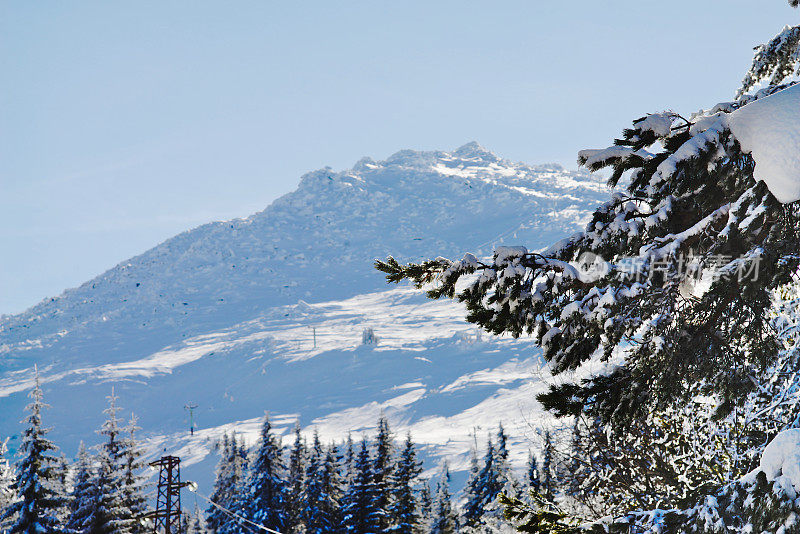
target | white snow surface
[
  {"x": 769, "y": 129},
  {"x": 780, "y": 460},
  {"x": 658, "y": 123},
  {"x": 267, "y": 313}
]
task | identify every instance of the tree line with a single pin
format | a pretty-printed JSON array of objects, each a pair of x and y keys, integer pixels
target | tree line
[
  {"x": 100, "y": 493},
  {"x": 364, "y": 487}
]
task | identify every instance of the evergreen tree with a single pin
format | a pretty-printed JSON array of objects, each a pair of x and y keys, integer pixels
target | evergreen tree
[
  {"x": 63, "y": 486},
  {"x": 106, "y": 510},
  {"x": 333, "y": 485},
  {"x": 361, "y": 514},
  {"x": 445, "y": 520},
  {"x": 383, "y": 472},
  {"x": 473, "y": 493},
  {"x": 106, "y": 514},
  {"x": 133, "y": 498},
  {"x": 313, "y": 516},
  {"x": 322, "y": 490},
  {"x": 505, "y": 476},
  {"x": 489, "y": 478},
  {"x": 237, "y": 498},
  {"x": 81, "y": 499},
  {"x": 681, "y": 456},
  {"x": 266, "y": 485},
  {"x": 548, "y": 467},
  {"x": 774, "y": 62},
  {"x": 224, "y": 488},
  {"x": 533, "y": 476},
  {"x": 349, "y": 461},
  {"x": 295, "y": 483},
  {"x": 195, "y": 524},
  {"x": 38, "y": 505},
  {"x": 403, "y": 507},
  {"x": 425, "y": 507},
  {"x": 6, "y": 486}
]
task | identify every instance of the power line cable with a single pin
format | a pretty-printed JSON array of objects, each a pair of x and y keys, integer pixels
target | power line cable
[{"x": 193, "y": 489}]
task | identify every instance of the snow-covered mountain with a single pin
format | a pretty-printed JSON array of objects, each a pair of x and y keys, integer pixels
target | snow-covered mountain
[{"x": 268, "y": 313}]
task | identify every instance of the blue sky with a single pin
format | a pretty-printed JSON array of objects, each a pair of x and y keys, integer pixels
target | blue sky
[{"x": 122, "y": 124}]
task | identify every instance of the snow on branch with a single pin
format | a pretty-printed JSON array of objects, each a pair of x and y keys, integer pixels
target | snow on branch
[{"x": 769, "y": 129}]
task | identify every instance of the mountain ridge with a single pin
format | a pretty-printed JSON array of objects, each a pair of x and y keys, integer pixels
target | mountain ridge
[
  {"x": 261, "y": 313},
  {"x": 470, "y": 163}
]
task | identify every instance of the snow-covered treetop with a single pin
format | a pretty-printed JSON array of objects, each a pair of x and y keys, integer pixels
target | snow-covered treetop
[{"x": 774, "y": 62}]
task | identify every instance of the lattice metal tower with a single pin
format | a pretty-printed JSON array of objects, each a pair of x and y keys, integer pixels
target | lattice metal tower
[{"x": 167, "y": 517}]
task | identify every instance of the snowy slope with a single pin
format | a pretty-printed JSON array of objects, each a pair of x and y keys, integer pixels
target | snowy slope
[{"x": 225, "y": 315}]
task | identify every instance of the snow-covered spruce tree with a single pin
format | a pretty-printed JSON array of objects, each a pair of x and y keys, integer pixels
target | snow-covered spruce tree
[
  {"x": 383, "y": 471},
  {"x": 106, "y": 514},
  {"x": 313, "y": 492},
  {"x": 37, "y": 505},
  {"x": 6, "y": 496},
  {"x": 445, "y": 520},
  {"x": 403, "y": 509},
  {"x": 487, "y": 483},
  {"x": 266, "y": 486},
  {"x": 333, "y": 486},
  {"x": 533, "y": 479},
  {"x": 425, "y": 506},
  {"x": 761, "y": 501},
  {"x": 473, "y": 493},
  {"x": 321, "y": 499},
  {"x": 360, "y": 512},
  {"x": 239, "y": 499},
  {"x": 6, "y": 485},
  {"x": 81, "y": 498},
  {"x": 489, "y": 479},
  {"x": 677, "y": 457},
  {"x": 106, "y": 509},
  {"x": 296, "y": 483},
  {"x": 134, "y": 500},
  {"x": 224, "y": 485},
  {"x": 505, "y": 474},
  {"x": 230, "y": 490},
  {"x": 670, "y": 460},
  {"x": 549, "y": 466},
  {"x": 775, "y": 61},
  {"x": 348, "y": 460},
  {"x": 575, "y": 464},
  {"x": 195, "y": 522},
  {"x": 775, "y": 404},
  {"x": 63, "y": 485}
]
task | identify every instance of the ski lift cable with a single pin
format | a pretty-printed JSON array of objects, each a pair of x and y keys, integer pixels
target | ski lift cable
[{"x": 193, "y": 489}]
